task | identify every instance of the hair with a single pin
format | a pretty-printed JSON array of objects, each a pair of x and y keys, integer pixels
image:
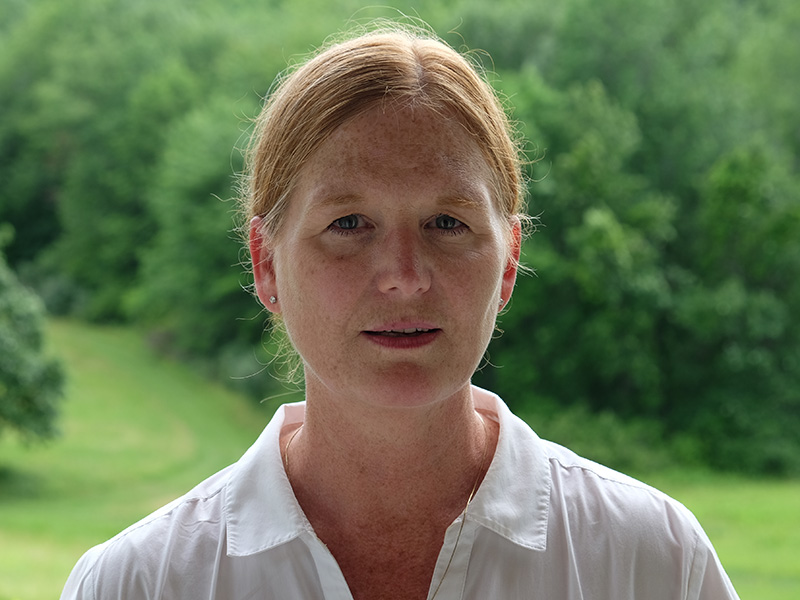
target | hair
[{"x": 392, "y": 66}]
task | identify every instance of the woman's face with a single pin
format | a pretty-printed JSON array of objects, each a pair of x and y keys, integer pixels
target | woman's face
[{"x": 392, "y": 259}]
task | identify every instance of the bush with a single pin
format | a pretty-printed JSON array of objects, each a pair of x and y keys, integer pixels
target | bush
[{"x": 30, "y": 383}]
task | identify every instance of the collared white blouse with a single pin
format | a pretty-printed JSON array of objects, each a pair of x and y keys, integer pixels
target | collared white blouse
[{"x": 545, "y": 523}]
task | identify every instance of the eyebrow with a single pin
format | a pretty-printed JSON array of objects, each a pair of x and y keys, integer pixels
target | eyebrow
[
  {"x": 457, "y": 200},
  {"x": 462, "y": 201},
  {"x": 338, "y": 200}
]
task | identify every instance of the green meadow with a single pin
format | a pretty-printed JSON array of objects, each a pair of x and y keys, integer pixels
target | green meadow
[{"x": 139, "y": 430}]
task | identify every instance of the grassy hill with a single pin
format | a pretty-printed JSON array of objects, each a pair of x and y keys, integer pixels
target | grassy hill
[{"x": 139, "y": 430}]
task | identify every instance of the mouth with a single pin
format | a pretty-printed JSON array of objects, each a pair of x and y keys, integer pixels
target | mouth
[{"x": 402, "y": 333}]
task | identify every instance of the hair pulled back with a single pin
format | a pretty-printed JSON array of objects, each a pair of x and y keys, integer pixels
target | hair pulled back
[{"x": 394, "y": 67}]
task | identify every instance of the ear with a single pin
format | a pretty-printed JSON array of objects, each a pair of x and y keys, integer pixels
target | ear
[
  {"x": 263, "y": 267},
  {"x": 512, "y": 264}
]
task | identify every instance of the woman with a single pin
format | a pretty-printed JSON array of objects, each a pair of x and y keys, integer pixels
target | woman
[{"x": 384, "y": 205}]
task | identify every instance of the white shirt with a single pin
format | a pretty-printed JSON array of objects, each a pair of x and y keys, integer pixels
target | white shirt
[{"x": 545, "y": 524}]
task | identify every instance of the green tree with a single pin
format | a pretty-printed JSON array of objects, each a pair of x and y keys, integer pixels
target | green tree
[
  {"x": 191, "y": 281},
  {"x": 88, "y": 106},
  {"x": 30, "y": 163},
  {"x": 734, "y": 340},
  {"x": 667, "y": 259},
  {"x": 585, "y": 331},
  {"x": 30, "y": 383}
]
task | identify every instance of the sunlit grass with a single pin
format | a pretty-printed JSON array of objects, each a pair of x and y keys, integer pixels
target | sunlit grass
[
  {"x": 138, "y": 431},
  {"x": 754, "y": 525}
]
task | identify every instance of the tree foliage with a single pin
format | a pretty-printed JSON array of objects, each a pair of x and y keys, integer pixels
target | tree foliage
[
  {"x": 664, "y": 139},
  {"x": 30, "y": 382},
  {"x": 667, "y": 267}
]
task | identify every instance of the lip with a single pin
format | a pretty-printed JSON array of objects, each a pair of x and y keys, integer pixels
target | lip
[{"x": 380, "y": 335}]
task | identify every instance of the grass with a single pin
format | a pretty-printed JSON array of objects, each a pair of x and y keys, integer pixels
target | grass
[
  {"x": 754, "y": 525},
  {"x": 139, "y": 430}
]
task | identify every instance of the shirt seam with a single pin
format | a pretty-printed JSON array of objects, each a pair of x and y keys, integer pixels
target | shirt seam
[
  {"x": 692, "y": 563},
  {"x": 148, "y": 521},
  {"x": 632, "y": 483},
  {"x": 502, "y": 530},
  {"x": 92, "y": 575}
]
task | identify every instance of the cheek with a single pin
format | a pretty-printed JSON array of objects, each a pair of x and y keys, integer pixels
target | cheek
[
  {"x": 483, "y": 271},
  {"x": 474, "y": 290},
  {"x": 314, "y": 286}
]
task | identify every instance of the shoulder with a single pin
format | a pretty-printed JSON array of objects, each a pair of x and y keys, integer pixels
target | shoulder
[
  {"x": 606, "y": 518},
  {"x": 131, "y": 563},
  {"x": 571, "y": 487},
  {"x": 589, "y": 491},
  {"x": 579, "y": 475},
  {"x": 613, "y": 519},
  {"x": 580, "y": 525}
]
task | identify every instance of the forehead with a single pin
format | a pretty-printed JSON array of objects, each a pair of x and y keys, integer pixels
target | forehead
[{"x": 400, "y": 146}]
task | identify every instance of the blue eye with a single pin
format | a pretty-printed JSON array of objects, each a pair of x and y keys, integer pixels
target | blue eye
[
  {"x": 346, "y": 223},
  {"x": 448, "y": 223}
]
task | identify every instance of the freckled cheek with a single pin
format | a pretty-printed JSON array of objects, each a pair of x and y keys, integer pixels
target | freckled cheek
[
  {"x": 480, "y": 275},
  {"x": 331, "y": 284}
]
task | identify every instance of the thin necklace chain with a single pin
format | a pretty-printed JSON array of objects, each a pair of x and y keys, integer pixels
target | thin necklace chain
[
  {"x": 463, "y": 513},
  {"x": 286, "y": 450}
]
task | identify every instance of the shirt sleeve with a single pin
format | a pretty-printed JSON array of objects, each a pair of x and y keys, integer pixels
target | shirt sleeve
[
  {"x": 118, "y": 570},
  {"x": 707, "y": 578},
  {"x": 80, "y": 584}
]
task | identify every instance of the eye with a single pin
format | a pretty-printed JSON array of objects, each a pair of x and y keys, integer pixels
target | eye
[
  {"x": 346, "y": 224},
  {"x": 448, "y": 224}
]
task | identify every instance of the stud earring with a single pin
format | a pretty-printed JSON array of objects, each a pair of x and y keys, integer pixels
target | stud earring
[
  {"x": 501, "y": 301},
  {"x": 272, "y": 299}
]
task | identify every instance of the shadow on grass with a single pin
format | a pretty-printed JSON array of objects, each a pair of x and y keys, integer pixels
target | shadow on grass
[{"x": 16, "y": 484}]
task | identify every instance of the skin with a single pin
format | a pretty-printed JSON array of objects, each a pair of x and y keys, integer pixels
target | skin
[{"x": 391, "y": 227}]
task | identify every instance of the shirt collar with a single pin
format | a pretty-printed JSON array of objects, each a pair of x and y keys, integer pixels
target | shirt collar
[
  {"x": 262, "y": 512},
  {"x": 514, "y": 497}
]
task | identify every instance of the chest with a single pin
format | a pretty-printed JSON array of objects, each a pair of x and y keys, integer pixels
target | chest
[{"x": 396, "y": 564}]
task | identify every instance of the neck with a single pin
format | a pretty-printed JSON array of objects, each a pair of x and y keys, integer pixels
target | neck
[{"x": 360, "y": 461}]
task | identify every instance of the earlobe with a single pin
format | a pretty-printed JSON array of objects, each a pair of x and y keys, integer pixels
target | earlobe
[{"x": 263, "y": 268}]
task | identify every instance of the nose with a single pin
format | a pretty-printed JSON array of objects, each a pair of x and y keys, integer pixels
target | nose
[{"x": 403, "y": 268}]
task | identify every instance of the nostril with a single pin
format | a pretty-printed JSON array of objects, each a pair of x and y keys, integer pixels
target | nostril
[{"x": 406, "y": 278}]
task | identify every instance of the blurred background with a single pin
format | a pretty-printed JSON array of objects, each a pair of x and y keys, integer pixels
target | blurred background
[{"x": 659, "y": 332}]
